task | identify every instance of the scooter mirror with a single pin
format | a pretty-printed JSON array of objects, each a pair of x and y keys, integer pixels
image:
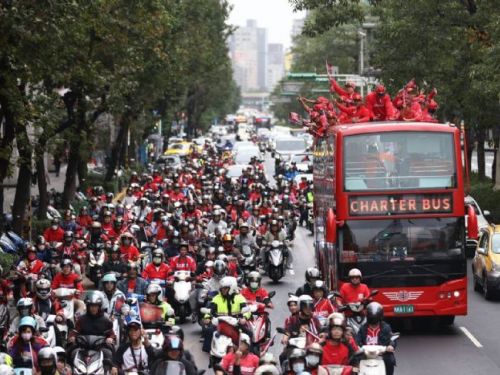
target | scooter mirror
[
  {"x": 395, "y": 336},
  {"x": 205, "y": 310},
  {"x": 374, "y": 293},
  {"x": 272, "y": 294},
  {"x": 280, "y": 330}
]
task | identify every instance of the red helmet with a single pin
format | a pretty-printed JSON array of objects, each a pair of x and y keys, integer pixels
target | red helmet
[
  {"x": 357, "y": 97},
  {"x": 380, "y": 89}
]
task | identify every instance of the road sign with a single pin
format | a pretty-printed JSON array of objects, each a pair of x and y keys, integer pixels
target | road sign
[{"x": 292, "y": 86}]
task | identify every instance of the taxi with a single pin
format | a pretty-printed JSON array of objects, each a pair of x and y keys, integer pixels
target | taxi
[
  {"x": 182, "y": 149},
  {"x": 486, "y": 262}
]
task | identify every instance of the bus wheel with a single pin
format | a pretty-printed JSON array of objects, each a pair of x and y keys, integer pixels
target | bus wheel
[{"x": 447, "y": 320}]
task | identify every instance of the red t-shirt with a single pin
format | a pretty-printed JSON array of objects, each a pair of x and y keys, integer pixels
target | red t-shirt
[
  {"x": 258, "y": 296},
  {"x": 248, "y": 363},
  {"x": 72, "y": 281},
  {"x": 335, "y": 354},
  {"x": 131, "y": 285},
  {"x": 129, "y": 253},
  {"x": 151, "y": 271},
  {"x": 351, "y": 293}
]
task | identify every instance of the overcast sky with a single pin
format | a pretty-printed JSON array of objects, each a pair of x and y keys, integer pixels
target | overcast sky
[{"x": 275, "y": 15}]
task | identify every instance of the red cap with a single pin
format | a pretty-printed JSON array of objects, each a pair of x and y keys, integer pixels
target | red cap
[{"x": 380, "y": 89}]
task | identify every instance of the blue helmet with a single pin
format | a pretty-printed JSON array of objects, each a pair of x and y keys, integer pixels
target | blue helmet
[{"x": 27, "y": 321}]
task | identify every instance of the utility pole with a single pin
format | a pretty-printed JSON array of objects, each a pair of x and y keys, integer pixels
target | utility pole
[{"x": 362, "y": 36}]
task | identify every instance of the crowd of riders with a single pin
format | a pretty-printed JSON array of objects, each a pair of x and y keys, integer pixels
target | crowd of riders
[{"x": 107, "y": 289}]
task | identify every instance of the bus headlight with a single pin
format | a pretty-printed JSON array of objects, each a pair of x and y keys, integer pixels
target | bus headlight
[{"x": 456, "y": 294}]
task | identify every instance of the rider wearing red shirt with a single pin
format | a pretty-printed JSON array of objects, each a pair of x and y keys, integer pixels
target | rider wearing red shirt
[
  {"x": 253, "y": 292},
  {"x": 127, "y": 250},
  {"x": 157, "y": 269},
  {"x": 336, "y": 350},
  {"x": 183, "y": 262},
  {"x": 54, "y": 233},
  {"x": 67, "y": 278},
  {"x": 355, "y": 290},
  {"x": 322, "y": 305},
  {"x": 30, "y": 265}
]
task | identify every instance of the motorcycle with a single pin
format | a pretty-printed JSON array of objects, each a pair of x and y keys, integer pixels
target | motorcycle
[
  {"x": 248, "y": 263},
  {"x": 96, "y": 260},
  {"x": 227, "y": 334},
  {"x": 260, "y": 326},
  {"x": 356, "y": 316},
  {"x": 373, "y": 364},
  {"x": 276, "y": 261},
  {"x": 153, "y": 323},
  {"x": 182, "y": 289},
  {"x": 310, "y": 218},
  {"x": 89, "y": 359}
]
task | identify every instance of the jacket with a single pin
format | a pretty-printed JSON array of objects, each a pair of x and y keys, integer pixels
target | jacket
[
  {"x": 141, "y": 286},
  {"x": 224, "y": 306}
]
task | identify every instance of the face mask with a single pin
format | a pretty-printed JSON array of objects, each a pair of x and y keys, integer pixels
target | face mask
[
  {"x": 254, "y": 285},
  {"x": 54, "y": 227},
  {"x": 126, "y": 242},
  {"x": 26, "y": 336},
  {"x": 31, "y": 256},
  {"x": 298, "y": 367},
  {"x": 156, "y": 260},
  {"x": 312, "y": 360}
]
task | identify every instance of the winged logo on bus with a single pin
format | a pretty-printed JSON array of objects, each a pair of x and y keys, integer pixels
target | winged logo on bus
[{"x": 403, "y": 295}]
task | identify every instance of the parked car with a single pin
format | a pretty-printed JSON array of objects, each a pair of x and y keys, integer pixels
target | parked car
[
  {"x": 482, "y": 222},
  {"x": 169, "y": 161},
  {"x": 486, "y": 262},
  {"x": 181, "y": 149}
]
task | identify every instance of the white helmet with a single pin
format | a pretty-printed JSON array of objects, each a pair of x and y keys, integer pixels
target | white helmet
[
  {"x": 43, "y": 289},
  {"x": 245, "y": 338},
  {"x": 6, "y": 370},
  {"x": 292, "y": 299},
  {"x": 154, "y": 288},
  {"x": 354, "y": 273},
  {"x": 231, "y": 283}
]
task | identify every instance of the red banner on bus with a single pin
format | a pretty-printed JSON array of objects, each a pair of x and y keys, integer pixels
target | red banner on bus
[{"x": 405, "y": 204}]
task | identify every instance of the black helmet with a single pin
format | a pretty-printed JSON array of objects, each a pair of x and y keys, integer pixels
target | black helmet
[
  {"x": 173, "y": 342},
  {"x": 312, "y": 273},
  {"x": 374, "y": 313}
]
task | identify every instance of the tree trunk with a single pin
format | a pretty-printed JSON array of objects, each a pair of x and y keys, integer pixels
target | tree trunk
[
  {"x": 470, "y": 148},
  {"x": 71, "y": 171},
  {"x": 118, "y": 147},
  {"x": 481, "y": 164},
  {"x": 23, "y": 189},
  {"x": 496, "y": 142},
  {"x": 42, "y": 185},
  {"x": 74, "y": 151}
]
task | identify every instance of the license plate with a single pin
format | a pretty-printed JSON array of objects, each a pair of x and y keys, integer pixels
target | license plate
[{"x": 404, "y": 309}]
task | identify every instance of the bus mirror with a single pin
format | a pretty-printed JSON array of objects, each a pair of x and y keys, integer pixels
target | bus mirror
[
  {"x": 331, "y": 227},
  {"x": 472, "y": 228}
]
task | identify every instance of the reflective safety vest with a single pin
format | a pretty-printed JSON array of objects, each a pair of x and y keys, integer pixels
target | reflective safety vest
[{"x": 230, "y": 306}]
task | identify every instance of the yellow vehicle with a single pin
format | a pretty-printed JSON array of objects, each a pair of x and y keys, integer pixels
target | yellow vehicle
[
  {"x": 181, "y": 149},
  {"x": 486, "y": 262}
]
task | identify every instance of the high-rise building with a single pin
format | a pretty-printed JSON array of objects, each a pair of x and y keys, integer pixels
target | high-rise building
[
  {"x": 297, "y": 26},
  {"x": 275, "y": 64},
  {"x": 248, "y": 52}
]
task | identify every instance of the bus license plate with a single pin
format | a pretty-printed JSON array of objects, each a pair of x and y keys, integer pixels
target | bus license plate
[{"x": 404, "y": 309}]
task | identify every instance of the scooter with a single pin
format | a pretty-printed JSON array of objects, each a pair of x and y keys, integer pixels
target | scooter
[
  {"x": 89, "y": 359},
  {"x": 226, "y": 335},
  {"x": 153, "y": 323},
  {"x": 182, "y": 289},
  {"x": 276, "y": 261},
  {"x": 356, "y": 316},
  {"x": 310, "y": 218},
  {"x": 260, "y": 326},
  {"x": 373, "y": 364},
  {"x": 96, "y": 260},
  {"x": 248, "y": 264}
]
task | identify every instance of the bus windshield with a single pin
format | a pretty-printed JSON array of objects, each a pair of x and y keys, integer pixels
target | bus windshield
[
  {"x": 399, "y": 160},
  {"x": 402, "y": 240}
]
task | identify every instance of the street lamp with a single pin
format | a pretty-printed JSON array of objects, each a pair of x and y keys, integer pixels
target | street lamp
[{"x": 361, "y": 52}]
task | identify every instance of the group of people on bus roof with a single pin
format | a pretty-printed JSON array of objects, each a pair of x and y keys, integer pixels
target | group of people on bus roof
[{"x": 409, "y": 104}]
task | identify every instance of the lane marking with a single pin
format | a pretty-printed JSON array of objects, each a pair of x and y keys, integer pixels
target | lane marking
[{"x": 471, "y": 337}]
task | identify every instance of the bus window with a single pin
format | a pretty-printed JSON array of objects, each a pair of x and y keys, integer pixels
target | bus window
[
  {"x": 399, "y": 160},
  {"x": 401, "y": 240}
]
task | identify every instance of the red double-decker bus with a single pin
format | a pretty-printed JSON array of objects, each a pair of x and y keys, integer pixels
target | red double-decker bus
[{"x": 389, "y": 200}]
